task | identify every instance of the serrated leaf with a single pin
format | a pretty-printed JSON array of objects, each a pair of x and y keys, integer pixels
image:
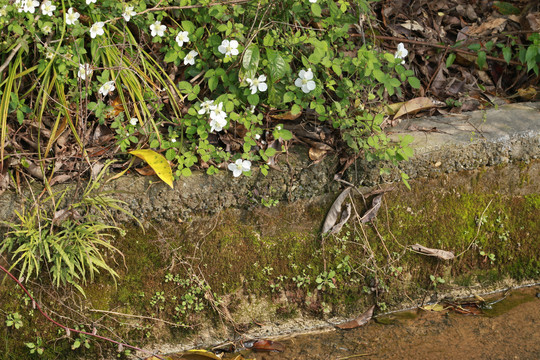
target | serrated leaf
[{"x": 156, "y": 162}]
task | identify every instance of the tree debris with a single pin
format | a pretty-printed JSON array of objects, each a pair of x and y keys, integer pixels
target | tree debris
[{"x": 440, "y": 254}]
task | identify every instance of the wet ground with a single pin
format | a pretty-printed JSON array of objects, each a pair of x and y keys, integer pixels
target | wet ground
[{"x": 510, "y": 330}]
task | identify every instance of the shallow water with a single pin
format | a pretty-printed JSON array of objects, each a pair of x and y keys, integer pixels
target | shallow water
[{"x": 510, "y": 330}]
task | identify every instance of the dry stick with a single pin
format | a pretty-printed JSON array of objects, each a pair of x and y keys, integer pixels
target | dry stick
[
  {"x": 10, "y": 57},
  {"x": 447, "y": 47},
  {"x": 437, "y": 70},
  {"x": 68, "y": 329},
  {"x": 140, "y": 317}
]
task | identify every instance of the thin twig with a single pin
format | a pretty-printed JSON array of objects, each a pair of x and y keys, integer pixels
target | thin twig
[
  {"x": 140, "y": 317},
  {"x": 11, "y": 55},
  {"x": 447, "y": 47},
  {"x": 477, "y": 230}
]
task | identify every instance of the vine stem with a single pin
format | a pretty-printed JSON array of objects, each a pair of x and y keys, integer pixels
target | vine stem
[
  {"x": 444, "y": 47},
  {"x": 68, "y": 329}
]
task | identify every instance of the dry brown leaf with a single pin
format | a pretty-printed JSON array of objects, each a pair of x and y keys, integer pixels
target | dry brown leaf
[
  {"x": 345, "y": 215},
  {"x": 440, "y": 254},
  {"x": 285, "y": 116},
  {"x": 359, "y": 321},
  {"x": 267, "y": 345},
  {"x": 492, "y": 25},
  {"x": 372, "y": 212},
  {"x": 146, "y": 171},
  {"x": 335, "y": 210},
  {"x": 415, "y": 105},
  {"x": 316, "y": 154}
]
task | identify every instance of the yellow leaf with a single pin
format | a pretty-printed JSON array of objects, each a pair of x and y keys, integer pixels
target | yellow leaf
[
  {"x": 433, "y": 307},
  {"x": 158, "y": 163}
]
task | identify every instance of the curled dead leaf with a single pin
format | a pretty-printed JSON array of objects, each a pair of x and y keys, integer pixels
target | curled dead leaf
[
  {"x": 372, "y": 212},
  {"x": 345, "y": 215},
  {"x": 441, "y": 254},
  {"x": 335, "y": 210},
  {"x": 359, "y": 321},
  {"x": 415, "y": 105}
]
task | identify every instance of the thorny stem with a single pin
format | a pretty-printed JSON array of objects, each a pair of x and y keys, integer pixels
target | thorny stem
[{"x": 68, "y": 329}]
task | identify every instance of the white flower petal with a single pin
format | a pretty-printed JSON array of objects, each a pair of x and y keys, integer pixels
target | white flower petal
[{"x": 263, "y": 87}]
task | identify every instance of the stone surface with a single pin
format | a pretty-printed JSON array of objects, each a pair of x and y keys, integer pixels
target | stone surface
[
  {"x": 444, "y": 144},
  {"x": 465, "y": 141}
]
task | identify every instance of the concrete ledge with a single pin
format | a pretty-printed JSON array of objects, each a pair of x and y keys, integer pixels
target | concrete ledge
[
  {"x": 458, "y": 142},
  {"x": 445, "y": 144}
]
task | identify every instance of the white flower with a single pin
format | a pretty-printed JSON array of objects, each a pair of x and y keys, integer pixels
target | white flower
[
  {"x": 97, "y": 29},
  {"x": 28, "y": 6},
  {"x": 158, "y": 29},
  {"x": 190, "y": 58},
  {"x": 257, "y": 84},
  {"x": 305, "y": 81},
  {"x": 229, "y": 48},
  {"x": 133, "y": 121},
  {"x": 206, "y": 106},
  {"x": 46, "y": 29},
  {"x": 88, "y": 2},
  {"x": 47, "y": 8},
  {"x": 312, "y": 1},
  {"x": 72, "y": 17},
  {"x": 401, "y": 52},
  {"x": 239, "y": 166},
  {"x": 173, "y": 140},
  {"x": 84, "y": 71},
  {"x": 257, "y": 136},
  {"x": 128, "y": 13},
  {"x": 49, "y": 53},
  {"x": 278, "y": 127},
  {"x": 3, "y": 10},
  {"x": 218, "y": 118},
  {"x": 182, "y": 37},
  {"x": 107, "y": 88}
]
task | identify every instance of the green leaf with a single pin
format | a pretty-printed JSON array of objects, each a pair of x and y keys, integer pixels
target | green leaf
[
  {"x": 171, "y": 55},
  {"x": 450, "y": 60},
  {"x": 253, "y": 99},
  {"x": 156, "y": 162},
  {"x": 276, "y": 64},
  {"x": 251, "y": 58},
  {"x": 213, "y": 83},
  {"x": 268, "y": 40},
  {"x": 414, "y": 82},
  {"x": 270, "y": 152},
  {"x": 481, "y": 60},
  {"x": 296, "y": 109},
  {"x": 316, "y": 9},
  {"x": 288, "y": 97},
  {"x": 507, "y": 54}
]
